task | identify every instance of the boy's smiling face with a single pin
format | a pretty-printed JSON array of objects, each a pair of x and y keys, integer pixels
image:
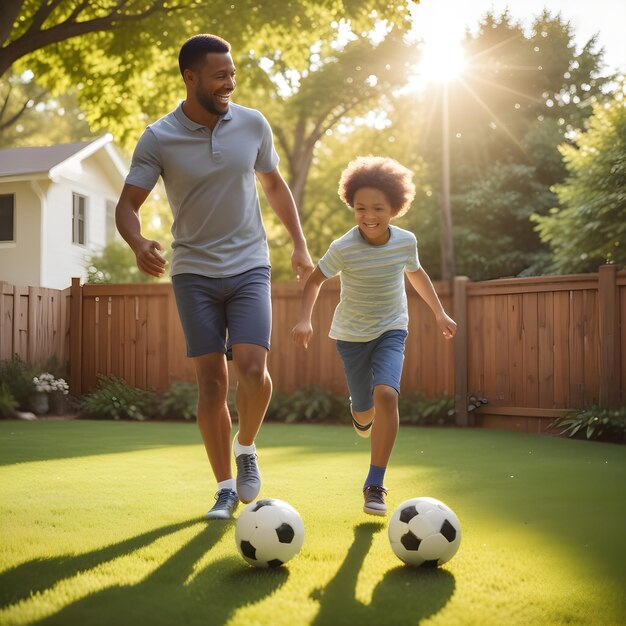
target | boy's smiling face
[{"x": 373, "y": 213}]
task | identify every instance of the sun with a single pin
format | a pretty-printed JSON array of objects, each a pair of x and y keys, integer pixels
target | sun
[
  {"x": 437, "y": 33},
  {"x": 442, "y": 60}
]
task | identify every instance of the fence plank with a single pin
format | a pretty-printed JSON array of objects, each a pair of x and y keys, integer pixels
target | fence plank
[
  {"x": 460, "y": 345},
  {"x": 609, "y": 343},
  {"x": 545, "y": 348},
  {"x": 530, "y": 359}
]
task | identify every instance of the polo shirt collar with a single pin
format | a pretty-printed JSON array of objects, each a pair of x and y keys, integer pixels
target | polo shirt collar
[{"x": 190, "y": 124}]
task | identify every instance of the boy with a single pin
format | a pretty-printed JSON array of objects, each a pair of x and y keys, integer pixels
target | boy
[{"x": 370, "y": 324}]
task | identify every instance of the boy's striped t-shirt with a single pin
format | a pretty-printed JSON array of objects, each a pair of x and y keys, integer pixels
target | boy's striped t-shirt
[{"x": 373, "y": 295}]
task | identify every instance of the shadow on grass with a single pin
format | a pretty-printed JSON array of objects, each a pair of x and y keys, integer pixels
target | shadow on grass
[
  {"x": 174, "y": 593},
  {"x": 38, "y": 575},
  {"x": 404, "y": 596}
]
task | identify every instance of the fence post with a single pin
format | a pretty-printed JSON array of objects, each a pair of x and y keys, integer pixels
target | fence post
[
  {"x": 609, "y": 335},
  {"x": 76, "y": 337},
  {"x": 460, "y": 350}
]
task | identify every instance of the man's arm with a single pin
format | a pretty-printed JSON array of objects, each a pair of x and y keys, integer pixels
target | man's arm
[
  {"x": 149, "y": 260},
  {"x": 280, "y": 199},
  {"x": 421, "y": 282}
]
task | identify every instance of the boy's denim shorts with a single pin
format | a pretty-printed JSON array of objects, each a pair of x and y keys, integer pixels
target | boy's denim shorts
[
  {"x": 216, "y": 313},
  {"x": 371, "y": 363}
]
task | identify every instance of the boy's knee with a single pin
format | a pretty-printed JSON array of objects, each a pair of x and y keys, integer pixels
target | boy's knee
[{"x": 385, "y": 395}]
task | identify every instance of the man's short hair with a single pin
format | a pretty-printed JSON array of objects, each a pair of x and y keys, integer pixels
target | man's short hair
[{"x": 193, "y": 51}]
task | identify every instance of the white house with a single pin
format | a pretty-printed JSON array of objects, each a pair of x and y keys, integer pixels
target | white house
[{"x": 57, "y": 208}]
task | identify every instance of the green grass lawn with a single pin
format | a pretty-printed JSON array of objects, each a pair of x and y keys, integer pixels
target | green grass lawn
[{"x": 101, "y": 523}]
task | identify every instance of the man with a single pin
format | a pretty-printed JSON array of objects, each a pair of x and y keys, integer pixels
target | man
[{"x": 208, "y": 151}]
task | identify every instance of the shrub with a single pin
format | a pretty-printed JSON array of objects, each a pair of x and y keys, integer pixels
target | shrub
[
  {"x": 116, "y": 399},
  {"x": 419, "y": 410},
  {"x": 316, "y": 404},
  {"x": 312, "y": 404},
  {"x": 594, "y": 423},
  {"x": 8, "y": 404},
  {"x": 17, "y": 376},
  {"x": 179, "y": 401}
]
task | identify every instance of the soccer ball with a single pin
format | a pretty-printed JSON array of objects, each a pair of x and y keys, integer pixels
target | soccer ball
[
  {"x": 269, "y": 533},
  {"x": 424, "y": 532}
]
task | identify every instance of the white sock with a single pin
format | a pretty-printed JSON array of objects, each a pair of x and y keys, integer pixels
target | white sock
[
  {"x": 239, "y": 449},
  {"x": 227, "y": 484}
]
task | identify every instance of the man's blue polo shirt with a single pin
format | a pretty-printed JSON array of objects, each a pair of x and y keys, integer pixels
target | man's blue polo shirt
[{"x": 211, "y": 187}]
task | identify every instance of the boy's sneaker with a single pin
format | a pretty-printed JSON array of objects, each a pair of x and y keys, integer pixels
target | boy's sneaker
[
  {"x": 248, "y": 477},
  {"x": 225, "y": 505},
  {"x": 375, "y": 500},
  {"x": 362, "y": 430}
]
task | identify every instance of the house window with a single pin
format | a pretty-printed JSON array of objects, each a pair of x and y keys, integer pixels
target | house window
[
  {"x": 79, "y": 210},
  {"x": 110, "y": 228},
  {"x": 7, "y": 217}
]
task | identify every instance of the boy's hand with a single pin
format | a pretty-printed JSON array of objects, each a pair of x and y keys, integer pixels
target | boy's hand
[
  {"x": 447, "y": 326},
  {"x": 302, "y": 333}
]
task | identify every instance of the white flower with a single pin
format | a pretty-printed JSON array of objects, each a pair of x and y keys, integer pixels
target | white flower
[{"x": 47, "y": 383}]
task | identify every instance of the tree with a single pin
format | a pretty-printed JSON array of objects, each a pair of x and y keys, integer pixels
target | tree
[
  {"x": 589, "y": 227},
  {"x": 348, "y": 83},
  {"x": 125, "y": 74},
  {"x": 519, "y": 96}
]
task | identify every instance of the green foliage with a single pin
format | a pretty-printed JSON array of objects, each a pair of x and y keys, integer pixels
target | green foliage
[
  {"x": 116, "y": 264},
  {"x": 590, "y": 228},
  {"x": 31, "y": 116},
  {"x": 521, "y": 94},
  {"x": 179, "y": 401},
  {"x": 17, "y": 377},
  {"x": 313, "y": 404},
  {"x": 116, "y": 399},
  {"x": 8, "y": 404},
  {"x": 418, "y": 410},
  {"x": 317, "y": 404},
  {"x": 594, "y": 423}
]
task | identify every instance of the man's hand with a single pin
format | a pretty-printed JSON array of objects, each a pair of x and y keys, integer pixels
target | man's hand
[
  {"x": 150, "y": 259},
  {"x": 302, "y": 333},
  {"x": 301, "y": 263}
]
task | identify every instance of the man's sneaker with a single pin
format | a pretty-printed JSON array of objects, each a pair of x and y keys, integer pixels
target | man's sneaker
[
  {"x": 362, "y": 430},
  {"x": 375, "y": 500},
  {"x": 248, "y": 477},
  {"x": 225, "y": 505}
]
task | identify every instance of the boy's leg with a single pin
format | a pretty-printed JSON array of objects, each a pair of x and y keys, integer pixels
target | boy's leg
[
  {"x": 387, "y": 361},
  {"x": 355, "y": 357},
  {"x": 385, "y": 428}
]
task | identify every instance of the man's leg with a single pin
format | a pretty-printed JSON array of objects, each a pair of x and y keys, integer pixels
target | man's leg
[
  {"x": 253, "y": 391},
  {"x": 213, "y": 417}
]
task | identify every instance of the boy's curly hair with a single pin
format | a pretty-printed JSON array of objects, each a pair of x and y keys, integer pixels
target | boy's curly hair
[{"x": 383, "y": 173}]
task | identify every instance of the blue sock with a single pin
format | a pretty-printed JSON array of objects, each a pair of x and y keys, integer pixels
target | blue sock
[{"x": 376, "y": 476}]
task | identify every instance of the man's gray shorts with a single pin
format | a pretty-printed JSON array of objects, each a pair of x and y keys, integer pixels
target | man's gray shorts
[{"x": 217, "y": 311}]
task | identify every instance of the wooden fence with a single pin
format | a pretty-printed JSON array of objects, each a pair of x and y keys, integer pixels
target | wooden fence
[{"x": 534, "y": 347}]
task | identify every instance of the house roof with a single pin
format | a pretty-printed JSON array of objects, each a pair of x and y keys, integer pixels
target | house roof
[{"x": 49, "y": 161}]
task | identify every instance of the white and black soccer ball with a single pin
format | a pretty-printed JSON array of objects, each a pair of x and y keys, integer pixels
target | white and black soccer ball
[
  {"x": 424, "y": 532},
  {"x": 269, "y": 533}
]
